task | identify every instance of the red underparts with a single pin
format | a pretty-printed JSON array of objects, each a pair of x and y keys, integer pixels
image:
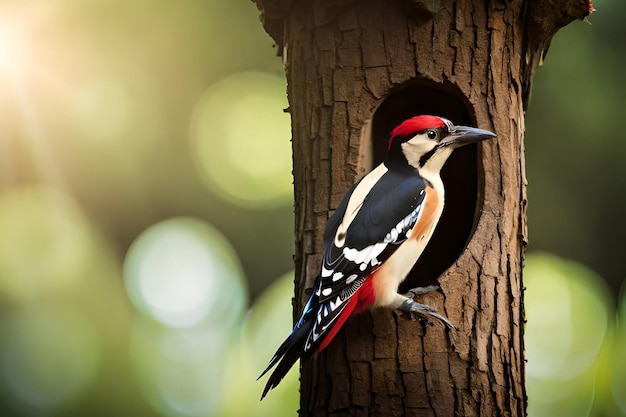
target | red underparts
[{"x": 358, "y": 303}]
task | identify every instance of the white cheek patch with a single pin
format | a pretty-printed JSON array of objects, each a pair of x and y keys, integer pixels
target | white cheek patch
[{"x": 417, "y": 147}]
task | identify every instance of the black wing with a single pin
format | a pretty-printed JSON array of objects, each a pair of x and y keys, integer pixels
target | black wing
[{"x": 389, "y": 211}]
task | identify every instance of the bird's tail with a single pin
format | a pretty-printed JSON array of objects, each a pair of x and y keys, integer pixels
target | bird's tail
[
  {"x": 286, "y": 355},
  {"x": 292, "y": 348}
]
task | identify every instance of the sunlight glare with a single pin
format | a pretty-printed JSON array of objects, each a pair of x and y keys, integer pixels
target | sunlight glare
[
  {"x": 10, "y": 58},
  {"x": 19, "y": 22},
  {"x": 15, "y": 44}
]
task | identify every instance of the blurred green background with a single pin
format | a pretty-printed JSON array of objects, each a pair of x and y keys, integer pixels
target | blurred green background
[{"x": 146, "y": 212}]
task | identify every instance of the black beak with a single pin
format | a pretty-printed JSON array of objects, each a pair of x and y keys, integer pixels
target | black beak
[{"x": 463, "y": 135}]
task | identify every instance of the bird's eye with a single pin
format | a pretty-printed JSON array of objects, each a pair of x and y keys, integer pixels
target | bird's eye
[{"x": 431, "y": 133}]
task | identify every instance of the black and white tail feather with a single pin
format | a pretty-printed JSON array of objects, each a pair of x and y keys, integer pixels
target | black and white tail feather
[{"x": 292, "y": 348}]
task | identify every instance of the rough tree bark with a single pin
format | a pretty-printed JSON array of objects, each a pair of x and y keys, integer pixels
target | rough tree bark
[{"x": 355, "y": 69}]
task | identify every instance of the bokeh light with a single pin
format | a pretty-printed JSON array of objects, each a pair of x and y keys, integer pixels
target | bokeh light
[
  {"x": 182, "y": 272},
  {"x": 268, "y": 323},
  {"x": 207, "y": 371},
  {"x": 617, "y": 365},
  {"x": 101, "y": 109},
  {"x": 240, "y": 139},
  {"x": 45, "y": 244},
  {"x": 568, "y": 310},
  {"x": 48, "y": 358},
  {"x": 181, "y": 371}
]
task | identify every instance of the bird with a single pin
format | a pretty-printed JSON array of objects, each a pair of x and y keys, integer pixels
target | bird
[{"x": 375, "y": 236}]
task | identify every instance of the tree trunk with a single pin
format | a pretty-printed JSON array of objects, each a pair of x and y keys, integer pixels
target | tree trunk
[{"x": 357, "y": 68}]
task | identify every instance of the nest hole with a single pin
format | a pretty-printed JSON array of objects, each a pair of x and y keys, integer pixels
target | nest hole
[{"x": 460, "y": 175}]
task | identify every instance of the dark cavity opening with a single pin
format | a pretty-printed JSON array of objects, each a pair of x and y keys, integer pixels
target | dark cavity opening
[{"x": 460, "y": 174}]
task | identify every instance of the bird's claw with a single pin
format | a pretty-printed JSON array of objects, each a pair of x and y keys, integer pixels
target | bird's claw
[{"x": 422, "y": 312}]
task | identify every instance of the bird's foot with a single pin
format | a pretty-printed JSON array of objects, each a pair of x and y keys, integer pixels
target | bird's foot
[
  {"x": 413, "y": 292},
  {"x": 420, "y": 311}
]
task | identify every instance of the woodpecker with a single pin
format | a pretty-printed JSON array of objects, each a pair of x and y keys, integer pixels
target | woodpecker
[{"x": 376, "y": 235}]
